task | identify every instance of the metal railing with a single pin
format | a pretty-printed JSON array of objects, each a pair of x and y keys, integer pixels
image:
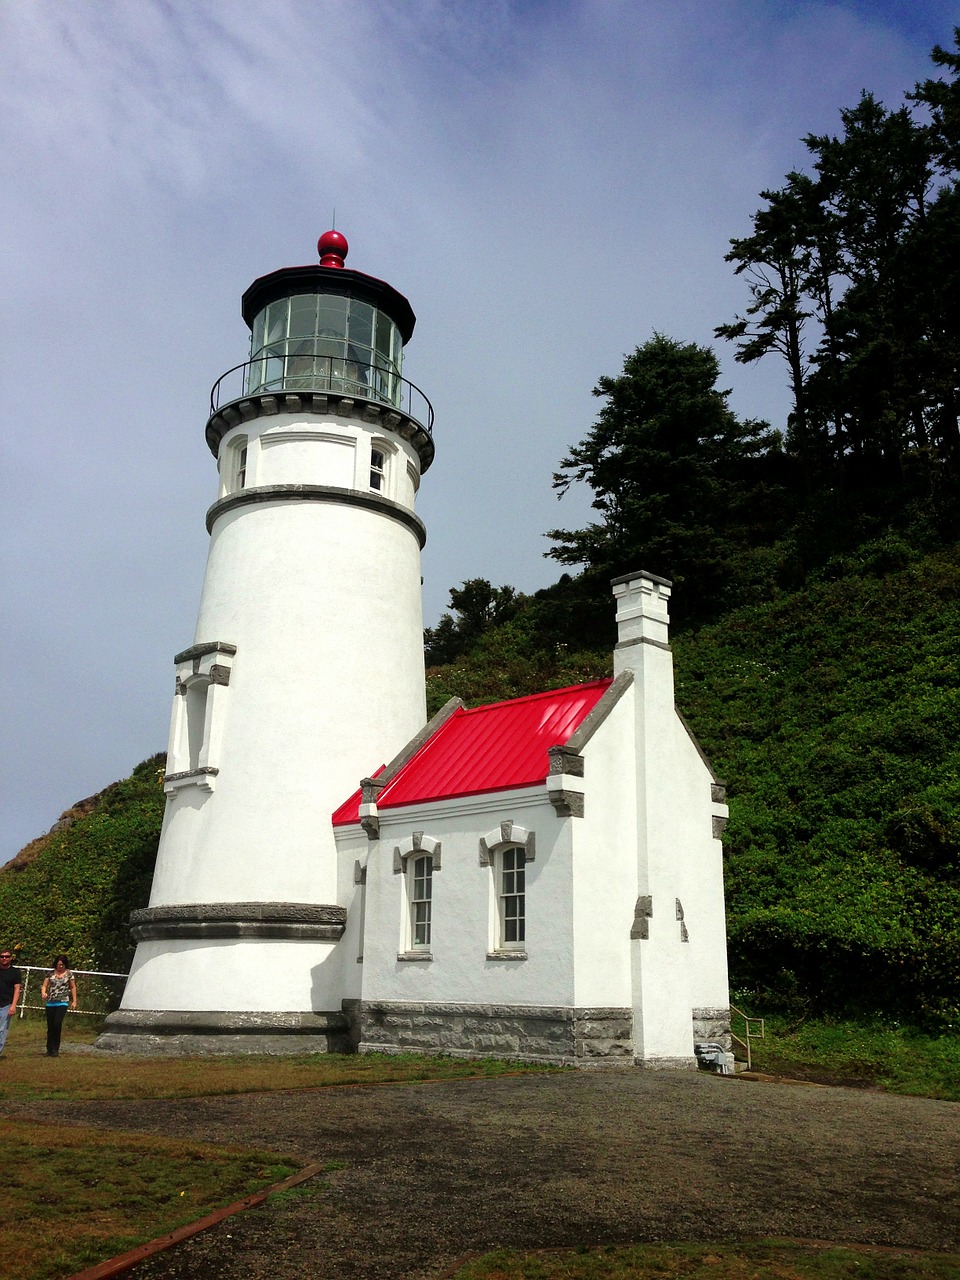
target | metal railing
[
  {"x": 308, "y": 372},
  {"x": 96, "y": 992},
  {"x": 749, "y": 1034}
]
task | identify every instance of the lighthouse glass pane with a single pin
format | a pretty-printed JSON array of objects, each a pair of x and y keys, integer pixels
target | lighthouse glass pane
[
  {"x": 273, "y": 373},
  {"x": 303, "y": 315},
  {"x": 276, "y": 325},
  {"x": 256, "y": 372},
  {"x": 256, "y": 336},
  {"x": 384, "y": 335},
  {"x": 361, "y": 323},
  {"x": 333, "y": 317}
]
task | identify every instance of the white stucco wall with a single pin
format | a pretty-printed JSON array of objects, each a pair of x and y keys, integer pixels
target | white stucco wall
[
  {"x": 242, "y": 975},
  {"x": 700, "y": 875},
  {"x": 604, "y": 863},
  {"x": 459, "y": 970},
  {"x": 678, "y": 859},
  {"x": 322, "y": 602},
  {"x": 352, "y": 849}
]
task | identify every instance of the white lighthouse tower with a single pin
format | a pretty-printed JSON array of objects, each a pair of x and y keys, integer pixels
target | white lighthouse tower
[{"x": 306, "y": 668}]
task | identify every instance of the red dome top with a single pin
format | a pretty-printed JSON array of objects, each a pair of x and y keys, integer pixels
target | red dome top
[{"x": 332, "y": 248}]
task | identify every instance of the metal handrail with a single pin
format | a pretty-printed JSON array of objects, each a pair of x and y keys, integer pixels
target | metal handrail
[
  {"x": 341, "y": 375},
  {"x": 748, "y": 1034},
  {"x": 45, "y": 969}
]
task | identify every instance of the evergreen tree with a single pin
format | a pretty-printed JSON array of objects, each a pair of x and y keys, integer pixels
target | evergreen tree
[
  {"x": 673, "y": 471},
  {"x": 478, "y": 606},
  {"x": 777, "y": 261}
]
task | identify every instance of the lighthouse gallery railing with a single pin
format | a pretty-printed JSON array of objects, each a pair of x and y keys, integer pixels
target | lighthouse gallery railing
[{"x": 310, "y": 372}]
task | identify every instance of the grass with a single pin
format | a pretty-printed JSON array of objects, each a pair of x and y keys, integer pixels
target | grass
[
  {"x": 75, "y": 1196},
  {"x": 884, "y": 1055},
  {"x": 26, "y": 1074},
  {"x": 766, "y": 1260}
]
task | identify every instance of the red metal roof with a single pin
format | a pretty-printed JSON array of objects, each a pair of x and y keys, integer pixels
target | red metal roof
[{"x": 492, "y": 748}]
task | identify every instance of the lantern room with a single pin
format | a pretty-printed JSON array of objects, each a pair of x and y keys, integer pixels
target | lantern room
[
  {"x": 325, "y": 327},
  {"x": 323, "y": 335}
]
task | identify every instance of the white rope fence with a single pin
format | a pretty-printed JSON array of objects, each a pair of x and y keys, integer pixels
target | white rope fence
[{"x": 44, "y": 970}]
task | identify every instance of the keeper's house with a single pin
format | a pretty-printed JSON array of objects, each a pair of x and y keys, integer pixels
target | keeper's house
[{"x": 542, "y": 877}]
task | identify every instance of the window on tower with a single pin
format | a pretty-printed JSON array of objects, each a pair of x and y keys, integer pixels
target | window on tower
[
  {"x": 196, "y": 730},
  {"x": 378, "y": 465}
]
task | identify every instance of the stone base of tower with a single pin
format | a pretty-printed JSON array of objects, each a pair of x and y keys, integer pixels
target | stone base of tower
[{"x": 179, "y": 1033}]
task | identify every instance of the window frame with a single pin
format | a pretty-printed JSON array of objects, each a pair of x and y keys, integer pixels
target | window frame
[
  {"x": 505, "y": 895},
  {"x": 508, "y": 838},
  {"x": 406, "y": 856},
  {"x": 198, "y": 716},
  {"x": 378, "y": 470},
  {"x": 365, "y": 469},
  {"x": 424, "y": 901}
]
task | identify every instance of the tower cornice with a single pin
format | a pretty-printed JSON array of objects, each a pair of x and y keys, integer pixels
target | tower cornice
[
  {"x": 319, "y": 493},
  {"x": 339, "y": 404}
]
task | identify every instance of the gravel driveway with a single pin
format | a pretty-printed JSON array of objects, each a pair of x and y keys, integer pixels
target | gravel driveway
[{"x": 435, "y": 1171}]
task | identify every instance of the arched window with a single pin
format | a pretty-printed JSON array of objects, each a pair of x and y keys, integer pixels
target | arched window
[
  {"x": 510, "y": 868},
  {"x": 416, "y": 859},
  {"x": 378, "y": 466},
  {"x": 421, "y": 900},
  {"x": 508, "y": 851}
]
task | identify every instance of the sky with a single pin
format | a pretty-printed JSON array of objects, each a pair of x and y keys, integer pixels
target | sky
[{"x": 548, "y": 181}]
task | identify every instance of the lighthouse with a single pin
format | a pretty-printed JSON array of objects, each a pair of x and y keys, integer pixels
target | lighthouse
[{"x": 304, "y": 673}]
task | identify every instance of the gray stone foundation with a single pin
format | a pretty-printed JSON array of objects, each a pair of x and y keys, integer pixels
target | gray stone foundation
[
  {"x": 180, "y": 1034},
  {"x": 577, "y": 1037},
  {"x": 581, "y": 1037},
  {"x": 712, "y": 1025}
]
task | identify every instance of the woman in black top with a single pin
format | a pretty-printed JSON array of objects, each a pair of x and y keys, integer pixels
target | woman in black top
[{"x": 58, "y": 991}]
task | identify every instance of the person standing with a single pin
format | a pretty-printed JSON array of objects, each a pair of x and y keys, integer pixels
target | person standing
[
  {"x": 59, "y": 991},
  {"x": 10, "y": 983}
]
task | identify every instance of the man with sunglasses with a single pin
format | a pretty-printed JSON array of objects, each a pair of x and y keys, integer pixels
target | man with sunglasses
[{"x": 10, "y": 980}]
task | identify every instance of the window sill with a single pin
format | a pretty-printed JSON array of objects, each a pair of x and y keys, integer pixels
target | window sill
[
  {"x": 414, "y": 955},
  {"x": 506, "y": 955},
  {"x": 203, "y": 778}
]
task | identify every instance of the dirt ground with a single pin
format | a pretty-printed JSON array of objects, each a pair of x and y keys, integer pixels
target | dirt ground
[{"x": 430, "y": 1173}]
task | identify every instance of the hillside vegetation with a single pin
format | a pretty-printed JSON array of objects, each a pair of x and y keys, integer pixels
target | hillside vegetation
[
  {"x": 835, "y": 715},
  {"x": 73, "y": 889}
]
